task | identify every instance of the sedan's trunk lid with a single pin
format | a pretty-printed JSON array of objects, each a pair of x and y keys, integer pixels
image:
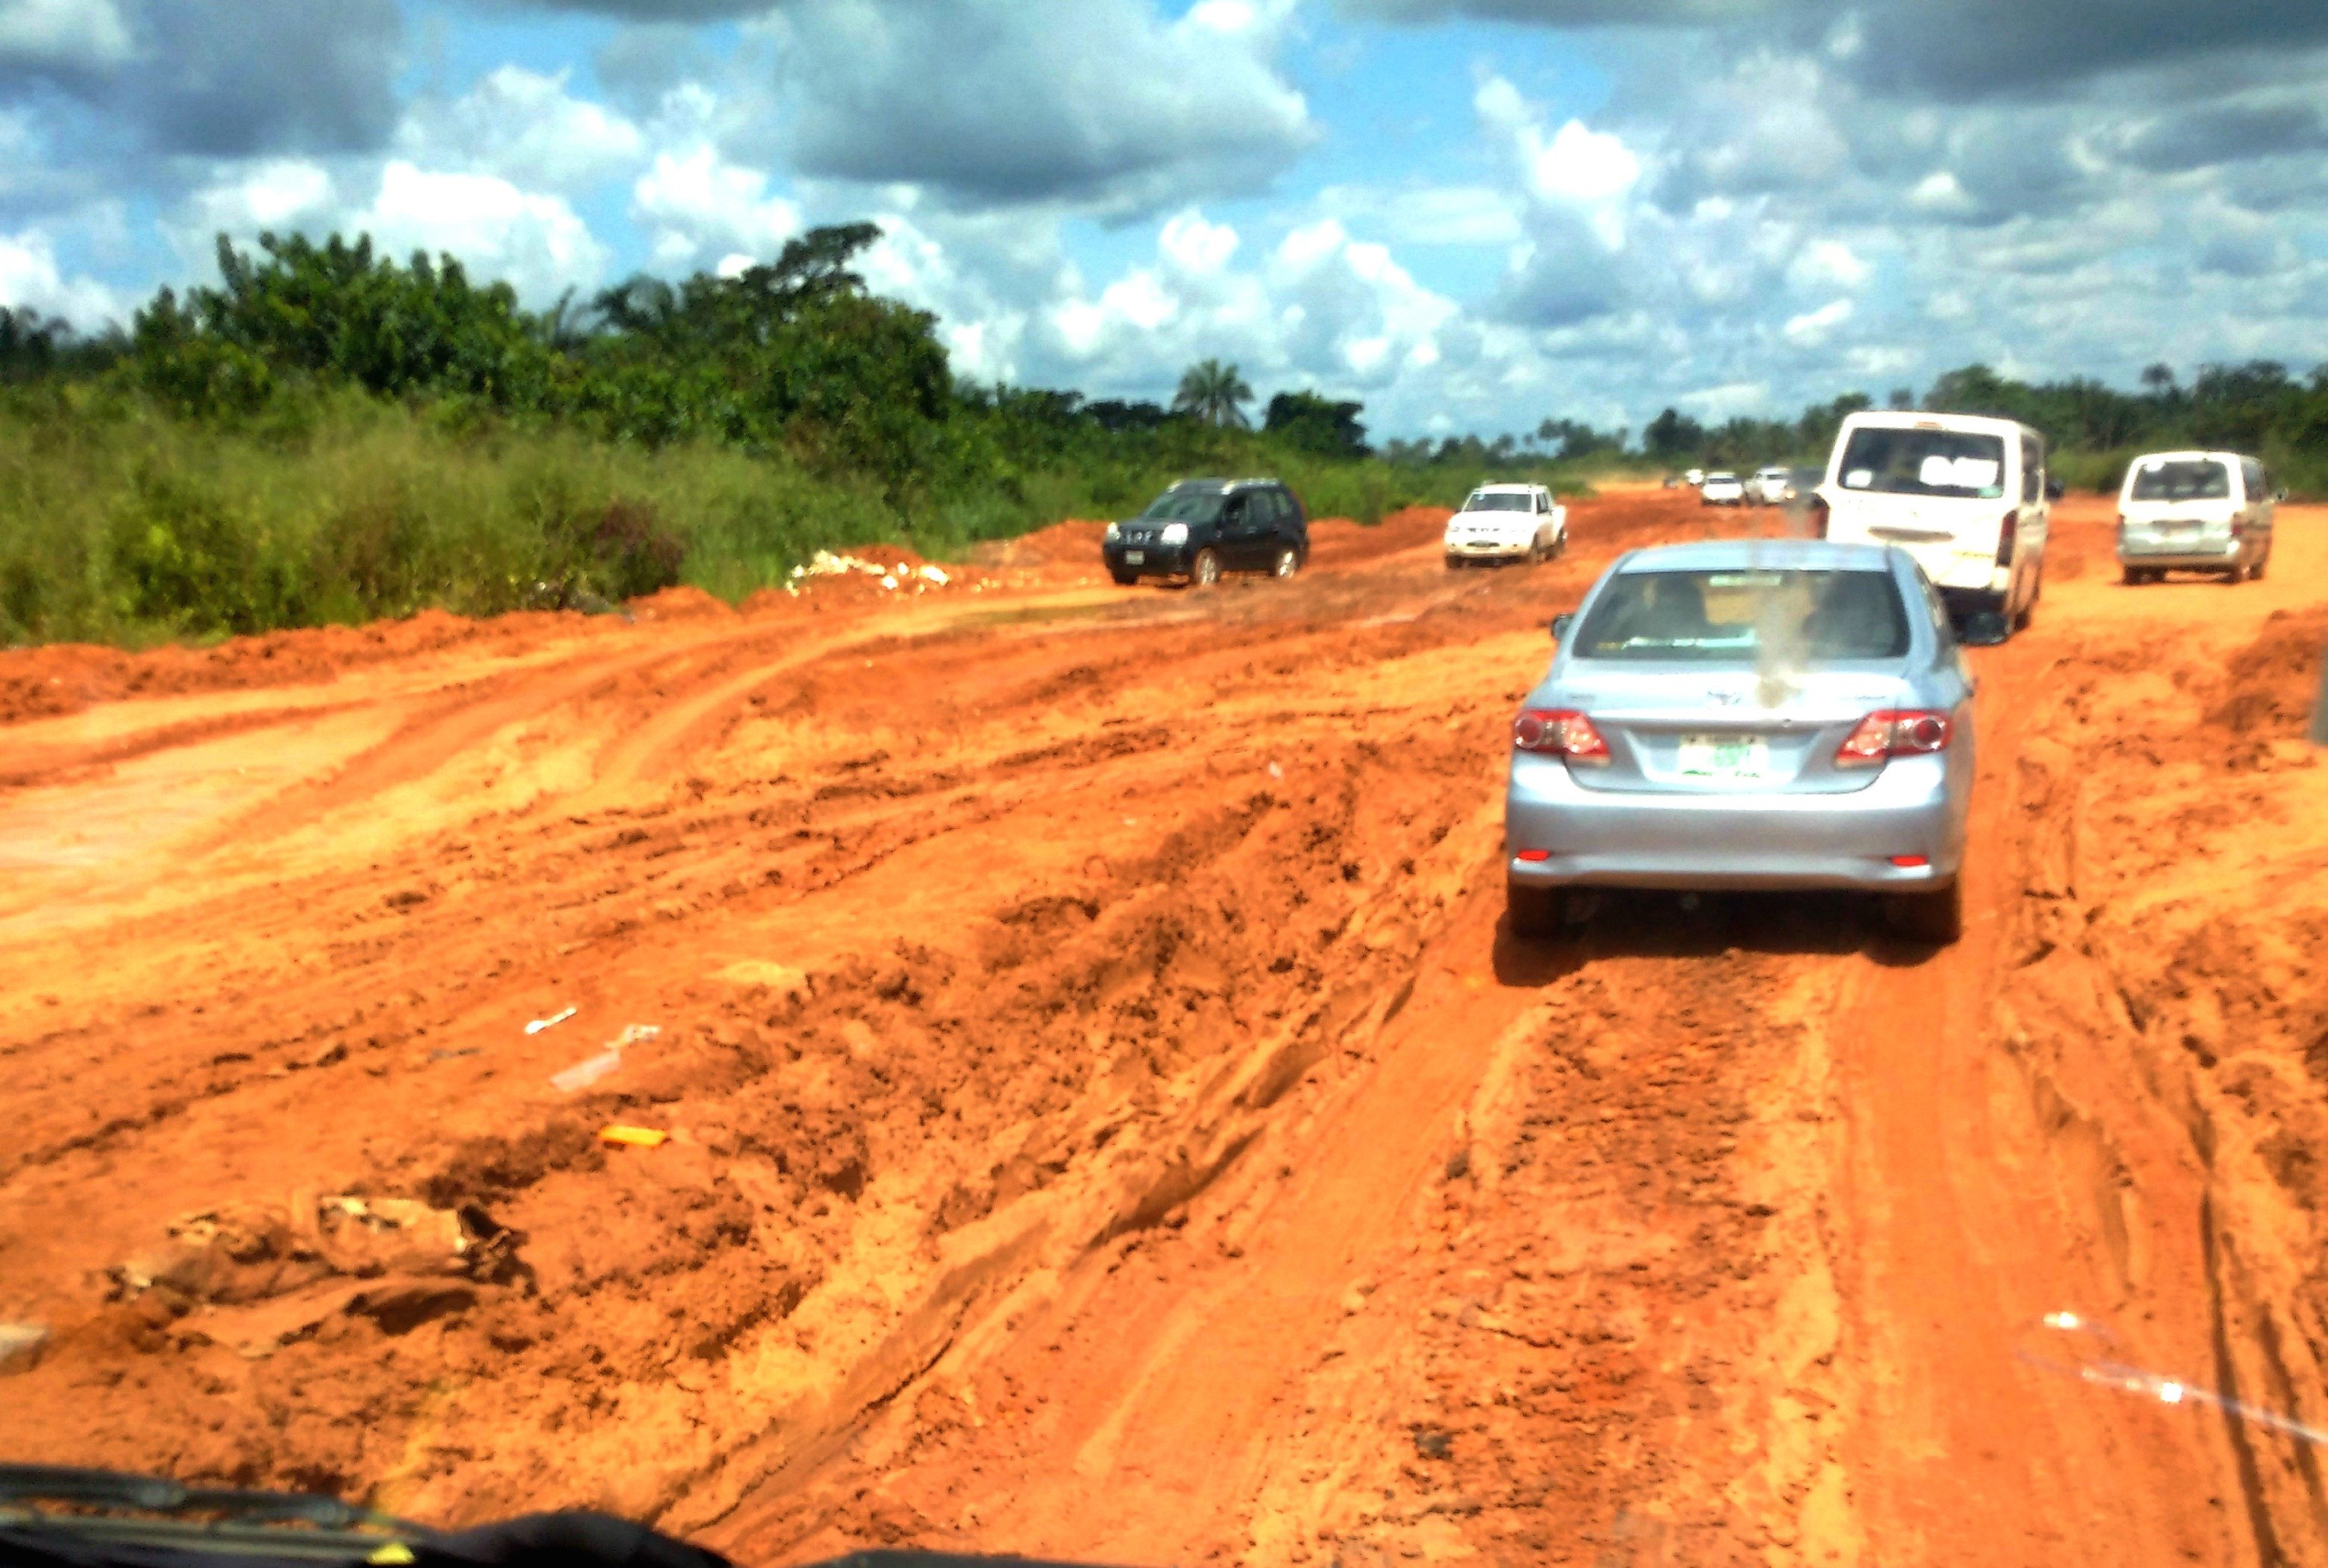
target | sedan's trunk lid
[{"x": 1730, "y": 729}]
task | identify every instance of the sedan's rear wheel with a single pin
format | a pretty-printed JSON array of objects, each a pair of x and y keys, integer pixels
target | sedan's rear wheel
[
  {"x": 1532, "y": 912},
  {"x": 1288, "y": 562},
  {"x": 1205, "y": 569},
  {"x": 1937, "y": 916}
]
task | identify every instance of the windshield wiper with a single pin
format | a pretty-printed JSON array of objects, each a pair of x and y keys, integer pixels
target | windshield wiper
[{"x": 116, "y": 1507}]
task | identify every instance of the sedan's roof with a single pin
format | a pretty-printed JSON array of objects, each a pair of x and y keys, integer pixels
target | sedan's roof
[{"x": 1767, "y": 554}]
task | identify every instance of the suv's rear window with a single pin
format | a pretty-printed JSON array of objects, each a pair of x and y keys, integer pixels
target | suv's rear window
[
  {"x": 1750, "y": 614},
  {"x": 2181, "y": 479},
  {"x": 1907, "y": 462}
]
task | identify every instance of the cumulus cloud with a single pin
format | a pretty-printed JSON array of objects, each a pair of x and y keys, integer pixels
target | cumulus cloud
[
  {"x": 534, "y": 239},
  {"x": 524, "y": 126},
  {"x": 698, "y": 206},
  {"x": 75, "y": 35},
  {"x": 1103, "y": 103},
  {"x": 31, "y": 279}
]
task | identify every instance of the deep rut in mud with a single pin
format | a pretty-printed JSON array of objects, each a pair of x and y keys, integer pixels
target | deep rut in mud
[{"x": 1107, "y": 1118}]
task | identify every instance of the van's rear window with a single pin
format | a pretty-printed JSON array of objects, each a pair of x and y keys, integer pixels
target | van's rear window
[
  {"x": 1953, "y": 463},
  {"x": 1754, "y": 614},
  {"x": 2181, "y": 479}
]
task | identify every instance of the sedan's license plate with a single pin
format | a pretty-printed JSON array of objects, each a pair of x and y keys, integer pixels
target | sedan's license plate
[
  {"x": 1135, "y": 557},
  {"x": 1725, "y": 758}
]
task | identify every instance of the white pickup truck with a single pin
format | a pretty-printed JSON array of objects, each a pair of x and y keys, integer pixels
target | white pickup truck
[{"x": 1507, "y": 522}]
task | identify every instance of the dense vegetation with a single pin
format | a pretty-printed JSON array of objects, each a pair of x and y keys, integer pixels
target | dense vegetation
[
  {"x": 2094, "y": 431},
  {"x": 328, "y": 433}
]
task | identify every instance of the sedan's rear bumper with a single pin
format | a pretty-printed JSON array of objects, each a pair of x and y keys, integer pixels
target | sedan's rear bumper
[{"x": 1611, "y": 838}]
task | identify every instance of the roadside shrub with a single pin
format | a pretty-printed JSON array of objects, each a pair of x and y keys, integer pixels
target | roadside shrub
[{"x": 190, "y": 558}]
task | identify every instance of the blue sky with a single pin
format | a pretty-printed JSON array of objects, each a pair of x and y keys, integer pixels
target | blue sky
[{"x": 1471, "y": 214}]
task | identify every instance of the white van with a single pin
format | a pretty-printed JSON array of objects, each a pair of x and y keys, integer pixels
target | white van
[
  {"x": 1964, "y": 494},
  {"x": 2195, "y": 512}
]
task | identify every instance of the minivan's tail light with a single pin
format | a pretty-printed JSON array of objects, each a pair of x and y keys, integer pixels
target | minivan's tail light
[
  {"x": 1895, "y": 732},
  {"x": 2007, "y": 535},
  {"x": 1559, "y": 732}
]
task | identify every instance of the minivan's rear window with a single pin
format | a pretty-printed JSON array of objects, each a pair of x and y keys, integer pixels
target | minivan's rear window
[
  {"x": 2181, "y": 479},
  {"x": 1797, "y": 617},
  {"x": 1907, "y": 462}
]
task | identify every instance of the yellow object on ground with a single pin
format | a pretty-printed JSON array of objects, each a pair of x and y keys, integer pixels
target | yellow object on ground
[{"x": 636, "y": 1137}]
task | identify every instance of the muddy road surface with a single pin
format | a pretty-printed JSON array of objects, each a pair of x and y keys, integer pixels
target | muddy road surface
[{"x": 1101, "y": 1116}]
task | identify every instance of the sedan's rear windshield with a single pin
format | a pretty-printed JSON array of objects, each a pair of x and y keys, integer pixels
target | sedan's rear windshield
[
  {"x": 1750, "y": 614},
  {"x": 1499, "y": 501},
  {"x": 1179, "y": 506},
  {"x": 1896, "y": 462},
  {"x": 2181, "y": 479}
]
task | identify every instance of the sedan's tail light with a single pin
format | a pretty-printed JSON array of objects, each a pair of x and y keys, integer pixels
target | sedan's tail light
[
  {"x": 1895, "y": 732},
  {"x": 1559, "y": 732},
  {"x": 2008, "y": 534}
]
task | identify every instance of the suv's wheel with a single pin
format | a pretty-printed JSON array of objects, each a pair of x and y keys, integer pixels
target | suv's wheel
[
  {"x": 2133, "y": 576},
  {"x": 1288, "y": 562},
  {"x": 1124, "y": 579},
  {"x": 1937, "y": 917},
  {"x": 1531, "y": 912},
  {"x": 1205, "y": 569}
]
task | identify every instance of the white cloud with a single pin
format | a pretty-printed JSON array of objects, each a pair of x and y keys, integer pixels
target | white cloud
[
  {"x": 1813, "y": 327},
  {"x": 533, "y": 240},
  {"x": 30, "y": 279},
  {"x": 696, "y": 203},
  {"x": 73, "y": 34},
  {"x": 523, "y": 127},
  {"x": 1102, "y": 104},
  {"x": 1829, "y": 263}
]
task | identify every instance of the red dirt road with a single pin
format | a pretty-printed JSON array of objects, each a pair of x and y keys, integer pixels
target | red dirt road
[{"x": 1107, "y": 1117}]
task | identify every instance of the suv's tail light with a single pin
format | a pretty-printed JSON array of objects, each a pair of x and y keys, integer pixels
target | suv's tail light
[
  {"x": 1559, "y": 732},
  {"x": 1895, "y": 732},
  {"x": 2008, "y": 534}
]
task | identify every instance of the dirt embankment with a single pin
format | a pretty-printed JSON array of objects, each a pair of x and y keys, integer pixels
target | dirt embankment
[{"x": 1105, "y": 1118}]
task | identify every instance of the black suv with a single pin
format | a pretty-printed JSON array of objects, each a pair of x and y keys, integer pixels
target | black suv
[{"x": 1201, "y": 527}]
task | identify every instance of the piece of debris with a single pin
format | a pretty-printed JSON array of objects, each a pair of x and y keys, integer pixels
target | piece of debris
[
  {"x": 632, "y": 1137},
  {"x": 590, "y": 1069},
  {"x": 537, "y": 1025},
  {"x": 1431, "y": 1443},
  {"x": 901, "y": 575},
  {"x": 20, "y": 1345}
]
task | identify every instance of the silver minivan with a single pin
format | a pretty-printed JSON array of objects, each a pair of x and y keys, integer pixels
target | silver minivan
[{"x": 2196, "y": 511}]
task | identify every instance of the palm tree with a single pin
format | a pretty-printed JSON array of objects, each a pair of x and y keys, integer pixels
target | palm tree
[{"x": 1215, "y": 393}]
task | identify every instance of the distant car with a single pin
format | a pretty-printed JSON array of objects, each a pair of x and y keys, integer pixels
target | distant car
[
  {"x": 2202, "y": 512},
  {"x": 1967, "y": 496},
  {"x": 1723, "y": 490},
  {"x": 1771, "y": 487},
  {"x": 1694, "y": 478},
  {"x": 1201, "y": 527},
  {"x": 1658, "y": 751},
  {"x": 1507, "y": 522}
]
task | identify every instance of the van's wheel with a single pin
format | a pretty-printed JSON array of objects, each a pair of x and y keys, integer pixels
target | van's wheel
[
  {"x": 1532, "y": 912},
  {"x": 1937, "y": 917},
  {"x": 1205, "y": 569},
  {"x": 1288, "y": 562}
]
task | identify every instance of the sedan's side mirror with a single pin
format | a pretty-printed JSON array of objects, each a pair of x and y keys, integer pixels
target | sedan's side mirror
[
  {"x": 1560, "y": 626},
  {"x": 1986, "y": 629},
  {"x": 2055, "y": 490}
]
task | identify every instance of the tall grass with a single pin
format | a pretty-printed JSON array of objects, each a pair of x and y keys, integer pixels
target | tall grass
[{"x": 122, "y": 523}]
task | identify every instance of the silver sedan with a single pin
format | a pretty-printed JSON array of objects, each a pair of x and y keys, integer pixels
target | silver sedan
[{"x": 1749, "y": 714}]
